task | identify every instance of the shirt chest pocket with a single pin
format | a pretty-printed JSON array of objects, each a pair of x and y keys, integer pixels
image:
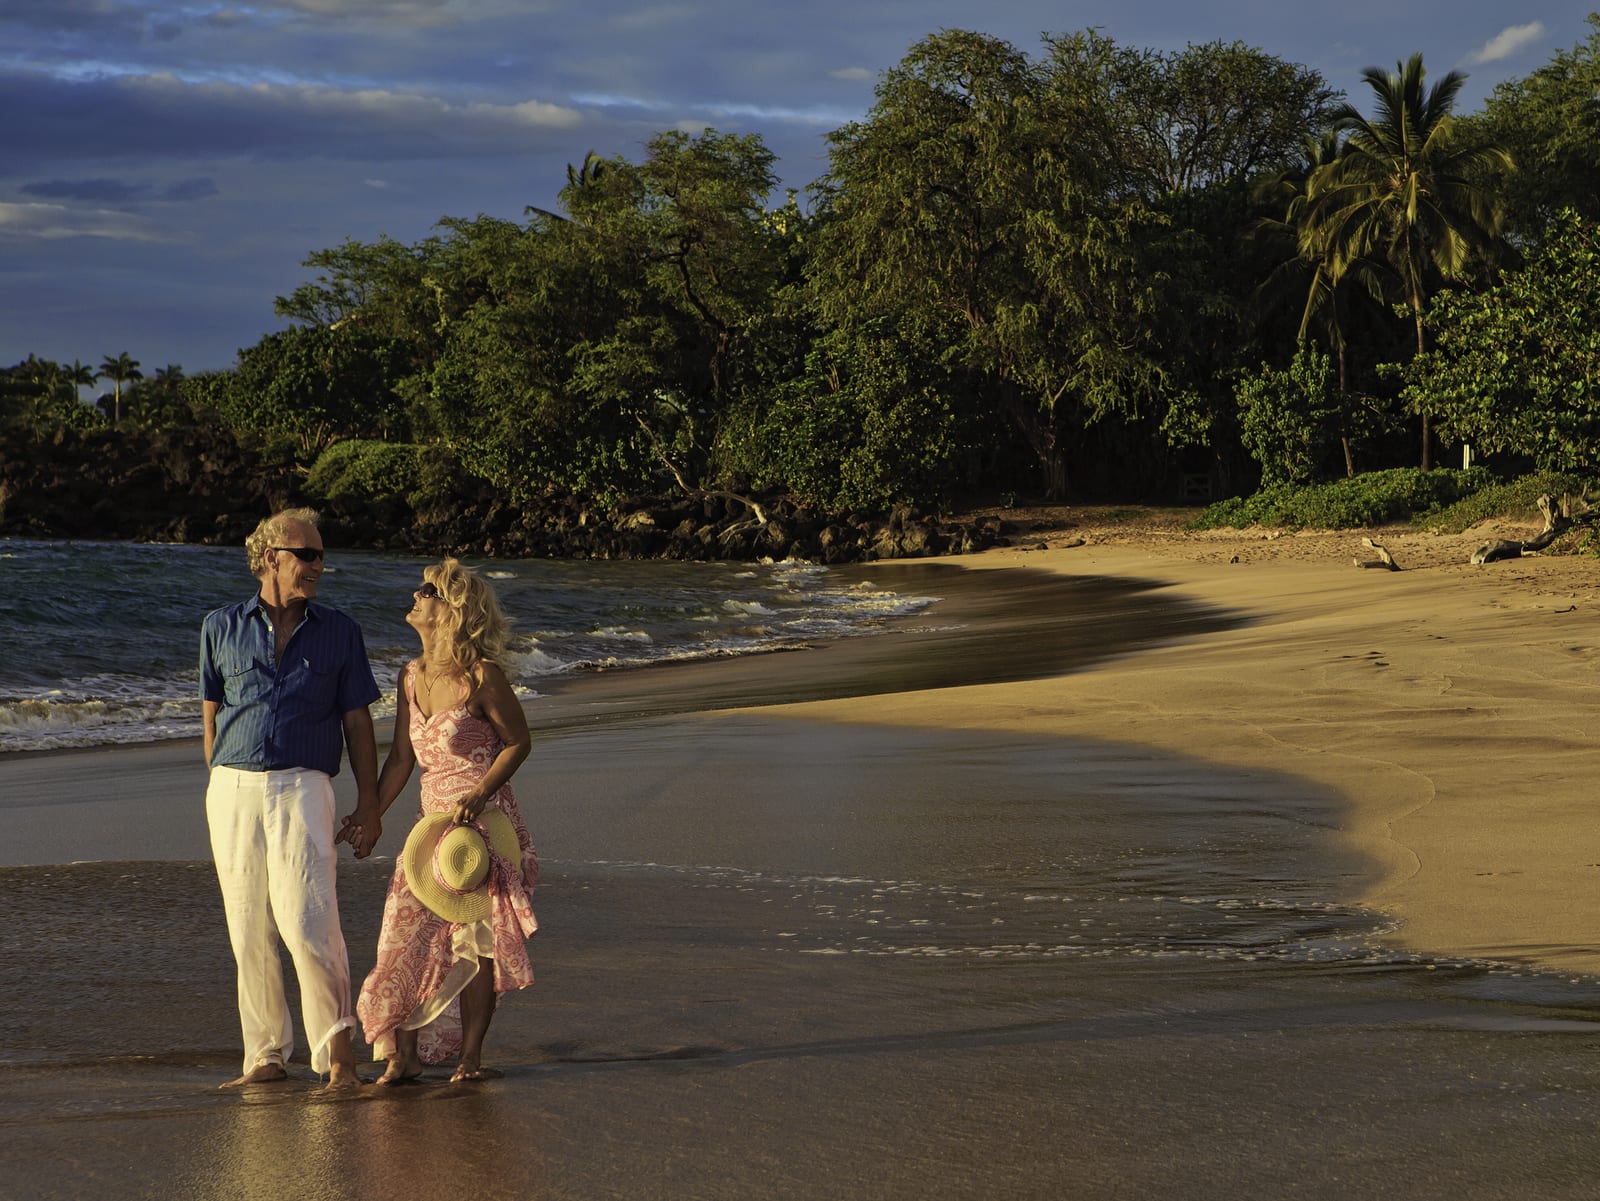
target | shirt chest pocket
[
  {"x": 245, "y": 680},
  {"x": 306, "y": 687}
]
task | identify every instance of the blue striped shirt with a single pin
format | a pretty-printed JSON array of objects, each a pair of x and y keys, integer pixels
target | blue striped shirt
[{"x": 274, "y": 715}]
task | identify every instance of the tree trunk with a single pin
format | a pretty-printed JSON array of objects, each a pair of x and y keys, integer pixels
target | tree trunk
[
  {"x": 1344, "y": 395},
  {"x": 1038, "y": 429},
  {"x": 1427, "y": 424},
  {"x": 1055, "y": 474}
]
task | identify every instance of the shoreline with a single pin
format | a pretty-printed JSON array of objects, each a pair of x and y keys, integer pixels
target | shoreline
[
  {"x": 1448, "y": 703},
  {"x": 976, "y": 633}
]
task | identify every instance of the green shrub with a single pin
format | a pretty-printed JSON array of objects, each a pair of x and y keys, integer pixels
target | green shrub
[
  {"x": 1373, "y": 498},
  {"x": 1515, "y": 498},
  {"x": 1287, "y": 418},
  {"x": 364, "y": 471}
]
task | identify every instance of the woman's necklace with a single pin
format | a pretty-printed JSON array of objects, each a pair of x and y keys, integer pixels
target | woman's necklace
[{"x": 450, "y": 675}]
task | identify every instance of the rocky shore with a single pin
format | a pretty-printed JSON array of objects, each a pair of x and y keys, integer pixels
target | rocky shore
[{"x": 202, "y": 486}]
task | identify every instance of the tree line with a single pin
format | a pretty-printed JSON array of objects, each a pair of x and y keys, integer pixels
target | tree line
[
  {"x": 1091, "y": 270},
  {"x": 39, "y": 394}
]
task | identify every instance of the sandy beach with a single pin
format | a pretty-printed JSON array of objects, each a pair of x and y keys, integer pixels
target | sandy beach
[
  {"x": 1282, "y": 888},
  {"x": 1450, "y": 704}
]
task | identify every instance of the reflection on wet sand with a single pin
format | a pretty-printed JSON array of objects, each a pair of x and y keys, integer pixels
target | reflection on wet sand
[{"x": 292, "y": 1142}]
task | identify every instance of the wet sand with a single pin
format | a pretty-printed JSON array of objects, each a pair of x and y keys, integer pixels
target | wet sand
[
  {"x": 1122, "y": 921},
  {"x": 1451, "y": 706}
]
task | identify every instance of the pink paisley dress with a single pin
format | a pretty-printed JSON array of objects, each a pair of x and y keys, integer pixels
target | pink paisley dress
[{"x": 424, "y": 961}]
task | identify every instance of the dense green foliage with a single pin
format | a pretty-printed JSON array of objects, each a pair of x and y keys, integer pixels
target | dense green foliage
[
  {"x": 860, "y": 429},
  {"x": 359, "y": 469},
  {"x": 37, "y": 395},
  {"x": 1374, "y": 498},
  {"x": 1550, "y": 125},
  {"x": 1286, "y": 417},
  {"x": 1090, "y": 271},
  {"x": 1514, "y": 498},
  {"x": 314, "y": 385},
  {"x": 1516, "y": 367},
  {"x": 1446, "y": 501}
]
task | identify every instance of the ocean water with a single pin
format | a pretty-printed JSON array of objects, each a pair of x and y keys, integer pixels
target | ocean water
[{"x": 98, "y": 640}]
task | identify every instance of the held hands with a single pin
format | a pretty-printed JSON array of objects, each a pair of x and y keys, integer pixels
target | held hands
[{"x": 361, "y": 830}]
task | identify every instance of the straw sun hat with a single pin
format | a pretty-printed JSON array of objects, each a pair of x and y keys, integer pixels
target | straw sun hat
[{"x": 447, "y": 865}]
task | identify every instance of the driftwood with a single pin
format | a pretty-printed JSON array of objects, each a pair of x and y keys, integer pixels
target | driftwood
[
  {"x": 1573, "y": 511},
  {"x": 758, "y": 517},
  {"x": 1384, "y": 560}
]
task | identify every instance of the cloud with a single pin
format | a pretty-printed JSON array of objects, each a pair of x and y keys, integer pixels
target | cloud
[
  {"x": 93, "y": 191},
  {"x": 659, "y": 16},
  {"x": 853, "y": 73},
  {"x": 612, "y": 100},
  {"x": 534, "y": 112},
  {"x": 71, "y": 16},
  {"x": 711, "y": 112},
  {"x": 226, "y": 18},
  {"x": 1508, "y": 42},
  {"x": 398, "y": 14},
  {"x": 138, "y": 118},
  {"x": 823, "y": 115},
  {"x": 55, "y": 221},
  {"x": 372, "y": 8},
  {"x": 118, "y": 191}
]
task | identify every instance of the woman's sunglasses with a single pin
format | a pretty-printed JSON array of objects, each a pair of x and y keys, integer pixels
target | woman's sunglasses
[
  {"x": 429, "y": 592},
  {"x": 306, "y": 554}
]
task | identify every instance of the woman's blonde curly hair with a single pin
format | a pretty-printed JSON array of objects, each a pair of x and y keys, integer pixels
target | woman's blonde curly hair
[
  {"x": 476, "y": 626},
  {"x": 271, "y": 532}
]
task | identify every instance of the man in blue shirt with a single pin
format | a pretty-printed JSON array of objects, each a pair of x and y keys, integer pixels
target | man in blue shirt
[{"x": 285, "y": 688}]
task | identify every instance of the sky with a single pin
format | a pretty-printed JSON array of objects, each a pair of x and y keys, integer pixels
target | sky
[{"x": 166, "y": 168}]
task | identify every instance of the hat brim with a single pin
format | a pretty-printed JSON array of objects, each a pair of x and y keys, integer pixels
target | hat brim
[{"x": 416, "y": 859}]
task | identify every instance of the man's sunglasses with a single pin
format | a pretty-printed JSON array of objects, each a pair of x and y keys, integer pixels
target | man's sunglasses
[
  {"x": 306, "y": 554},
  {"x": 429, "y": 592}
]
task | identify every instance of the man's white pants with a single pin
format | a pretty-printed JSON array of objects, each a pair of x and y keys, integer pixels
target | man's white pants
[{"x": 272, "y": 839}]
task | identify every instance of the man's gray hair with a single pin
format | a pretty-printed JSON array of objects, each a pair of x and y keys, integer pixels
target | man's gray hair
[{"x": 271, "y": 532}]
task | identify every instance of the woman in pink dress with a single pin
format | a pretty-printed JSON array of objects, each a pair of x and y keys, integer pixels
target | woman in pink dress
[{"x": 432, "y": 992}]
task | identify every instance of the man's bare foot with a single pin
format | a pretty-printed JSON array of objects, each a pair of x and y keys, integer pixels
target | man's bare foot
[
  {"x": 262, "y": 1073},
  {"x": 342, "y": 1078},
  {"x": 467, "y": 1072}
]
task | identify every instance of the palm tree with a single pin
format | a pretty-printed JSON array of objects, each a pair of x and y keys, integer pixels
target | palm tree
[
  {"x": 1315, "y": 259},
  {"x": 1402, "y": 189},
  {"x": 588, "y": 175},
  {"x": 79, "y": 375},
  {"x": 120, "y": 370}
]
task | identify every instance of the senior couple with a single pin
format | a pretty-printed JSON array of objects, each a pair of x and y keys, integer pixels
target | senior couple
[{"x": 285, "y": 687}]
